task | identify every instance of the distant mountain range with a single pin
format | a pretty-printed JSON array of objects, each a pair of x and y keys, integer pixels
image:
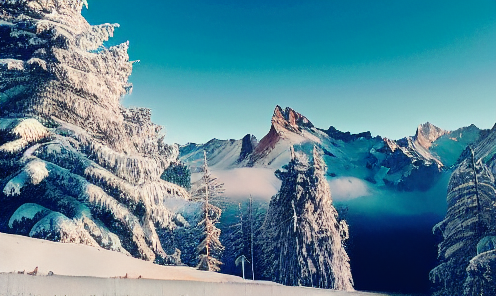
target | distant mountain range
[{"x": 411, "y": 163}]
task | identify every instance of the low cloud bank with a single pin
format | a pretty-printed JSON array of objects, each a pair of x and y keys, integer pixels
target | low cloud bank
[
  {"x": 347, "y": 188},
  {"x": 241, "y": 182}
]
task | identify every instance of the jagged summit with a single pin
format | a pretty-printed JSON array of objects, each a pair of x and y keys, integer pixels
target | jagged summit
[
  {"x": 289, "y": 120},
  {"x": 410, "y": 163},
  {"x": 427, "y": 133}
]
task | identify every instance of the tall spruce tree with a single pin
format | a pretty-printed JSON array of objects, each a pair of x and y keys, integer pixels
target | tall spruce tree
[
  {"x": 208, "y": 189},
  {"x": 302, "y": 239}
]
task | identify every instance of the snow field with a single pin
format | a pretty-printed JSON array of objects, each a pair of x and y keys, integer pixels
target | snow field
[{"x": 85, "y": 270}]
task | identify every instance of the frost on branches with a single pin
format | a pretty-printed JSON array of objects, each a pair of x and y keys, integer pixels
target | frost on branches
[
  {"x": 76, "y": 166},
  {"x": 302, "y": 238},
  {"x": 206, "y": 190},
  {"x": 467, "y": 252}
]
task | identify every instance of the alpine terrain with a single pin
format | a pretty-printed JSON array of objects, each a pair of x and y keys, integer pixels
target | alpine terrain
[
  {"x": 302, "y": 206},
  {"x": 390, "y": 192}
]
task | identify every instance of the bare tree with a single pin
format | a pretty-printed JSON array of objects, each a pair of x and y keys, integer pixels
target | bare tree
[{"x": 208, "y": 189}]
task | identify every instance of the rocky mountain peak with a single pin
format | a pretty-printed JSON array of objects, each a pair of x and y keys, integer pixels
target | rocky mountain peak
[
  {"x": 290, "y": 120},
  {"x": 428, "y": 133},
  {"x": 248, "y": 144}
]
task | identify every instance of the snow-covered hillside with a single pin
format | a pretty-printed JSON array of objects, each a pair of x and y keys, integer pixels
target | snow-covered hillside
[
  {"x": 19, "y": 253},
  {"x": 96, "y": 271}
]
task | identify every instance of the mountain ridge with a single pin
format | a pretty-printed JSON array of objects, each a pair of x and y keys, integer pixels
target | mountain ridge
[{"x": 396, "y": 163}]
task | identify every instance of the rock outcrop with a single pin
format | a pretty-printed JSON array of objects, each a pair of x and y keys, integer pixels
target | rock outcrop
[
  {"x": 222, "y": 154},
  {"x": 346, "y": 136},
  {"x": 467, "y": 250},
  {"x": 75, "y": 165},
  {"x": 302, "y": 238},
  {"x": 427, "y": 133}
]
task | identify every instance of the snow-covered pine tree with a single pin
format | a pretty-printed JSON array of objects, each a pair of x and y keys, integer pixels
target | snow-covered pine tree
[
  {"x": 179, "y": 174},
  {"x": 208, "y": 189},
  {"x": 75, "y": 165},
  {"x": 302, "y": 239},
  {"x": 466, "y": 254}
]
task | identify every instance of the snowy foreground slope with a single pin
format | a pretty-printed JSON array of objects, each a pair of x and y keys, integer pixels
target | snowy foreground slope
[{"x": 84, "y": 270}]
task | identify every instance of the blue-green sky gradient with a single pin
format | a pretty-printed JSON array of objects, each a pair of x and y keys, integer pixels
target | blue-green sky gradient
[{"x": 218, "y": 68}]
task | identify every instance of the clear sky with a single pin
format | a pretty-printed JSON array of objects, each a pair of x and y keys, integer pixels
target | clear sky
[{"x": 216, "y": 69}]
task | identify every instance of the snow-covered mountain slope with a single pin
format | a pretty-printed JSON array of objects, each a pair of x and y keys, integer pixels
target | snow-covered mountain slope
[
  {"x": 450, "y": 145},
  {"x": 222, "y": 154},
  {"x": 75, "y": 165},
  {"x": 411, "y": 163}
]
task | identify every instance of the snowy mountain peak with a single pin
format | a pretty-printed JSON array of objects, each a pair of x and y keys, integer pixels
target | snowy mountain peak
[
  {"x": 290, "y": 120},
  {"x": 428, "y": 133}
]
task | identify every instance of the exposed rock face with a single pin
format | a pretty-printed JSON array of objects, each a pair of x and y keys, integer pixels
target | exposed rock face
[
  {"x": 411, "y": 166},
  {"x": 302, "y": 239},
  {"x": 466, "y": 253},
  {"x": 248, "y": 144},
  {"x": 289, "y": 120},
  {"x": 428, "y": 133},
  {"x": 288, "y": 127},
  {"x": 75, "y": 165}
]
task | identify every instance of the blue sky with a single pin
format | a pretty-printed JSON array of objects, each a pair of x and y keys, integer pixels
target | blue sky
[{"x": 218, "y": 68}]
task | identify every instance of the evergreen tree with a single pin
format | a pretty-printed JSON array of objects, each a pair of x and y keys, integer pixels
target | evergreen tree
[
  {"x": 302, "y": 239},
  {"x": 210, "y": 248},
  {"x": 240, "y": 238},
  {"x": 250, "y": 217},
  {"x": 179, "y": 174}
]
